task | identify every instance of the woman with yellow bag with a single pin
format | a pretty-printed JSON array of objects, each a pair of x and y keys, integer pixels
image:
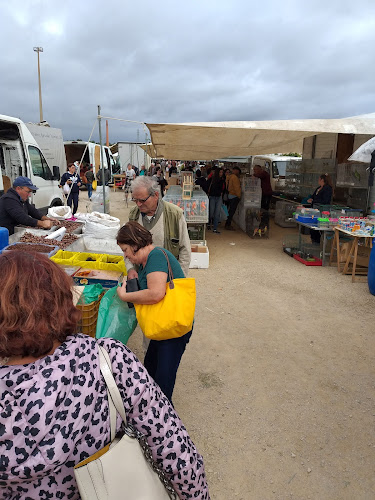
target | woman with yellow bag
[{"x": 165, "y": 303}]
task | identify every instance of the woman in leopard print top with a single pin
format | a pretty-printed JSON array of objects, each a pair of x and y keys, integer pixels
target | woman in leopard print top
[{"x": 53, "y": 399}]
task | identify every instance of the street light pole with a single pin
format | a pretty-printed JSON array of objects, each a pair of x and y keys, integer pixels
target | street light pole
[{"x": 39, "y": 49}]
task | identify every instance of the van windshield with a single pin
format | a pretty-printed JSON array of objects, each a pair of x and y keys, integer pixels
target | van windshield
[{"x": 278, "y": 168}]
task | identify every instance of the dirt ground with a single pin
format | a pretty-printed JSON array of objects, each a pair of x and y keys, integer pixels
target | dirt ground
[{"x": 276, "y": 387}]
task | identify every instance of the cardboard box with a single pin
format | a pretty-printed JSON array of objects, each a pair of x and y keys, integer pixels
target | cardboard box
[
  {"x": 108, "y": 279},
  {"x": 200, "y": 257}
]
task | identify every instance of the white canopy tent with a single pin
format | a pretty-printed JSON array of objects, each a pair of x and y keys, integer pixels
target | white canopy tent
[{"x": 211, "y": 140}]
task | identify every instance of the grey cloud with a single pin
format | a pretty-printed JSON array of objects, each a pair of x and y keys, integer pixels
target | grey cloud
[{"x": 191, "y": 61}]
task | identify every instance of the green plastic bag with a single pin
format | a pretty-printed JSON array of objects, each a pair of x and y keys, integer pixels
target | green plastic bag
[
  {"x": 90, "y": 294},
  {"x": 115, "y": 319}
]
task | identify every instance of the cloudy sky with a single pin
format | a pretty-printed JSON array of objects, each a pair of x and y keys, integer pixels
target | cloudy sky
[{"x": 198, "y": 60}]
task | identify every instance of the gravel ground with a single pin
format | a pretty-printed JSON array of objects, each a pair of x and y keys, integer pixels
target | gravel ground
[{"x": 276, "y": 386}]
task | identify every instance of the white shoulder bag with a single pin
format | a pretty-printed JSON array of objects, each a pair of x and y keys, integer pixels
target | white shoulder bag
[{"x": 124, "y": 469}]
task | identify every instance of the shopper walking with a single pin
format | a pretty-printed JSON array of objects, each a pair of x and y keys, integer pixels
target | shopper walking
[
  {"x": 234, "y": 195},
  {"x": 72, "y": 182},
  {"x": 215, "y": 192},
  {"x": 163, "y": 356},
  {"x": 90, "y": 177}
]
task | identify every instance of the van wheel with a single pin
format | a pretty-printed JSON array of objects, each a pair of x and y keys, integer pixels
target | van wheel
[{"x": 56, "y": 203}]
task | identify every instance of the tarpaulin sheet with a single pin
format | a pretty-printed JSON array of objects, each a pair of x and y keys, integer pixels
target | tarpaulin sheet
[{"x": 212, "y": 140}]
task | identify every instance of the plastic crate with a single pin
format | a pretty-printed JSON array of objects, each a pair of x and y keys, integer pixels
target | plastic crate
[
  {"x": 307, "y": 220},
  {"x": 63, "y": 257},
  {"x": 89, "y": 318}
]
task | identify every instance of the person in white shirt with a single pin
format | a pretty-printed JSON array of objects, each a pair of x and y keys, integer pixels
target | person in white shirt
[{"x": 130, "y": 176}]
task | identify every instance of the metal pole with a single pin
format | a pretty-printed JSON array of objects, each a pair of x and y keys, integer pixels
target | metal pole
[
  {"x": 102, "y": 158},
  {"x": 37, "y": 50},
  {"x": 145, "y": 153}
]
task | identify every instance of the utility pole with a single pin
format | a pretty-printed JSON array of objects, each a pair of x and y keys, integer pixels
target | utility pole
[
  {"x": 102, "y": 158},
  {"x": 37, "y": 50}
]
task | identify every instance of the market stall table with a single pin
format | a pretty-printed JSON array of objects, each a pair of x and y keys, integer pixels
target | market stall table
[
  {"x": 324, "y": 230},
  {"x": 353, "y": 257},
  {"x": 119, "y": 178}
]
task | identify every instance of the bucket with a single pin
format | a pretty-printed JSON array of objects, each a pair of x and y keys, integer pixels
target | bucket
[
  {"x": 371, "y": 272},
  {"x": 4, "y": 238}
]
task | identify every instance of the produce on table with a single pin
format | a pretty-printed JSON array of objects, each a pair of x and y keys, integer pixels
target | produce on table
[
  {"x": 67, "y": 240},
  {"x": 31, "y": 248}
]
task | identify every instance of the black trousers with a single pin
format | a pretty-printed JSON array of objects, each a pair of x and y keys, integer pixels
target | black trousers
[
  {"x": 233, "y": 203},
  {"x": 73, "y": 198},
  {"x": 265, "y": 216},
  {"x": 163, "y": 359}
]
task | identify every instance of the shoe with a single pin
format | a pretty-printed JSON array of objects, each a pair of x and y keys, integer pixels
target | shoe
[
  {"x": 216, "y": 231},
  {"x": 208, "y": 227},
  {"x": 229, "y": 228}
]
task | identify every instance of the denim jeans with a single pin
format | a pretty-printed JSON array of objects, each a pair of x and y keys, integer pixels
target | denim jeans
[
  {"x": 89, "y": 190},
  {"x": 163, "y": 359},
  {"x": 215, "y": 209}
]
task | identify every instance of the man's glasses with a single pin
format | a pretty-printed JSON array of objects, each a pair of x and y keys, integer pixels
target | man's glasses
[{"x": 138, "y": 200}]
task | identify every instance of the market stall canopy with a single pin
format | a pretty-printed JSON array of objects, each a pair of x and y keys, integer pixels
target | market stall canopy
[
  {"x": 149, "y": 148},
  {"x": 212, "y": 140},
  {"x": 363, "y": 153}
]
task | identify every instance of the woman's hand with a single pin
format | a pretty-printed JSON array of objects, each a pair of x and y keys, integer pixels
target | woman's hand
[
  {"x": 309, "y": 200},
  {"x": 121, "y": 291}
]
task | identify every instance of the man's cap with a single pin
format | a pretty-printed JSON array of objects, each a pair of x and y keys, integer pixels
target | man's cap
[{"x": 24, "y": 182}]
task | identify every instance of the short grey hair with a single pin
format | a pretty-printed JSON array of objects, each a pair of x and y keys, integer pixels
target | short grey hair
[{"x": 150, "y": 184}]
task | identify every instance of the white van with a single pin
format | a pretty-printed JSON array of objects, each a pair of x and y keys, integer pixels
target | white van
[
  {"x": 75, "y": 149},
  {"x": 276, "y": 166},
  {"x": 20, "y": 155}
]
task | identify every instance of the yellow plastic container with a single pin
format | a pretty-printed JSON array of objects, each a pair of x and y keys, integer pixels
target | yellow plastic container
[
  {"x": 80, "y": 259},
  {"x": 113, "y": 263},
  {"x": 63, "y": 257},
  {"x": 104, "y": 262}
]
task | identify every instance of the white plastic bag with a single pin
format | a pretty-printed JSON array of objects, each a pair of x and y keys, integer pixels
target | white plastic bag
[
  {"x": 60, "y": 213},
  {"x": 102, "y": 225}
]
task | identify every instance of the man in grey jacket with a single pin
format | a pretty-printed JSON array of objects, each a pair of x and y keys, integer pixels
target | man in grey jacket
[{"x": 165, "y": 221}]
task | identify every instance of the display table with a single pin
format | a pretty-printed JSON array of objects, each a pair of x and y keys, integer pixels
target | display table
[
  {"x": 354, "y": 257},
  {"x": 324, "y": 230},
  {"x": 118, "y": 177}
]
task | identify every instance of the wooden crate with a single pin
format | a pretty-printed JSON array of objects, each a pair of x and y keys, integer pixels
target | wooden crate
[{"x": 187, "y": 191}]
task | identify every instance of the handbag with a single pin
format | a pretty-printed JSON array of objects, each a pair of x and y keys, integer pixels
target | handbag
[
  {"x": 173, "y": 316},
  {"x": 66, "y": 188},
  {"x": 124, "y": 469}
]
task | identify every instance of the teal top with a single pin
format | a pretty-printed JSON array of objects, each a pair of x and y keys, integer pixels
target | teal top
[{"x": 157, "y": 262}]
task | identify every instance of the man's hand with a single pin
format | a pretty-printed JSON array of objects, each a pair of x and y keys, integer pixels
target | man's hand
[
  {"x": 132, "y": 273},
  {"x": 45, "y": 224}
]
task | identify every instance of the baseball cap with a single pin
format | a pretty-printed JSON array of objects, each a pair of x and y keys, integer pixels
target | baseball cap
[{"x": 24, "y": 182}]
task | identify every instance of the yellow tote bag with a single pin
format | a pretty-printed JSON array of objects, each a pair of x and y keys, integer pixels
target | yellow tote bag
[
  {"x": 173, "y": 316},
  {"x": 94, "y": 184}
]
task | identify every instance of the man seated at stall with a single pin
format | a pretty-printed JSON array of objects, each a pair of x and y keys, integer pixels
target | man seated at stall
[{"x": 16, "y": 209}]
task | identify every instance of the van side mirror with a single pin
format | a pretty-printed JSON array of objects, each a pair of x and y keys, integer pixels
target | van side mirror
[{"x": 56, "y": 173}]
